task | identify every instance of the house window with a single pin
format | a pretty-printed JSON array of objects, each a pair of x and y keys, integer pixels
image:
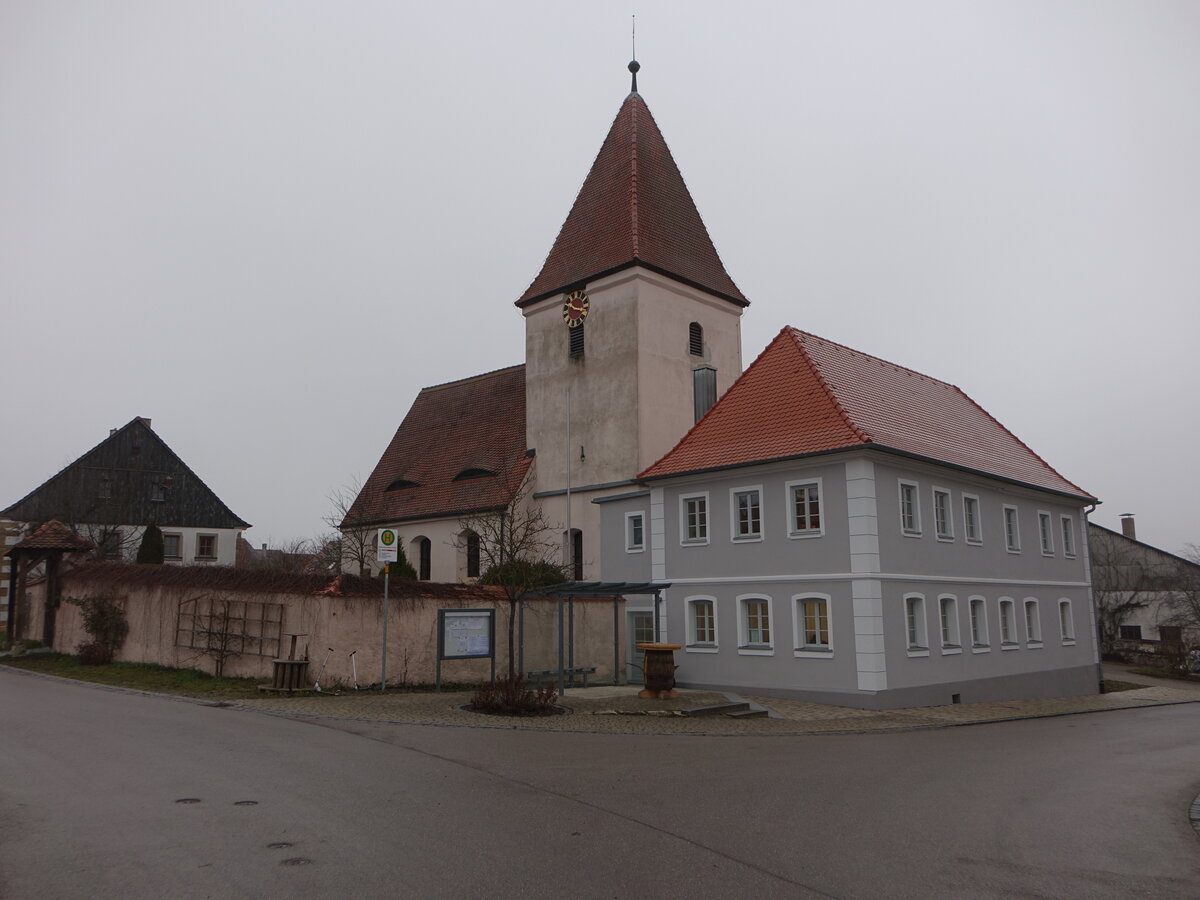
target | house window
[
  {"x": 812, "y": 614},
  {"x": 1033, "y": 622},
  {"x": 702, "y": 622},
  {"x": 1066, "y": 622},
  {"x": 1008, "y": 625},
  {"x": 575, "y": 340},
  {"x": 206, "y": 546},
  {"x": 971, "y": 521},
  {"x": 747, "y": 513},
  {"x": 105, "y": 492},
  {"x": 942, "y": 519},
  {"x": 1131, "y": 632},
  {"x": 756, "y": 623},
  {"x": 577, "y": 554},
  {"x": 696, "y": 339},
  {"x": 158, "y": 493},
  {"x": 804, "y": 508},
  {"x": 1068, "y": 536},
  {"x": 1012, "y": 531},
  {"x": 910, "y": 508},
  {"x": 1046, "y": 532},
  {"x": 704, "y": 390},
  {"x": 472, "y": 555},
  {"x": 695, "y": 519},
  {"x": 110, "y": 543},
  {"x": 948, "y": 612},
  {"x": 635, "y": 534},
  {"x": 979, "y": 632},
  {"x": 914, "y": 617},
  {"x": 172, "y": 546},
  {"x": 424, "y": 557}
]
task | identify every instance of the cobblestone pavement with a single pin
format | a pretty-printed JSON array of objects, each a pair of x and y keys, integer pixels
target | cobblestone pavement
[{"x": 618, "y": 710}]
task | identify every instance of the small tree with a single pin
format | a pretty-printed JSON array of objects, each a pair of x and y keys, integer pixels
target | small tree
[
  {"x": 105, "y": 620},
  {"x": 402, "y": 568},
  {"x": 357, "y": 544},
  {"x": 151, "y": 548}
]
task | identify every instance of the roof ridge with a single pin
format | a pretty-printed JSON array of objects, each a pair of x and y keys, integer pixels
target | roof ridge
[
  {"x": 821, "y": 379},
  {"x": 470, "y": 378},
  {"x": 633, "y": 179},
  {"x": 879, "y": 359}
]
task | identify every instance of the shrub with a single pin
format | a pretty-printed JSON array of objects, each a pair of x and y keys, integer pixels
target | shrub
[
  {"x": 104, "y": 619},
  {"x": 151, "y": 548},
  {"x": 512, "y": 697},
  {"x": 93, "y": 654}
]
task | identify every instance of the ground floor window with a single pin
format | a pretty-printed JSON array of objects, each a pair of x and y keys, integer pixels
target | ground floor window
[
  {"x": 914, "y": 615},
  {"x": 756, "y": 622},
  {"x": 812, "y": 614},
  {"x": 702, "y": 623}
]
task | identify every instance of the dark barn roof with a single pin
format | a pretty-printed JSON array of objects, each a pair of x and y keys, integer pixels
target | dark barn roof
[{"x": 115, "y": 483}]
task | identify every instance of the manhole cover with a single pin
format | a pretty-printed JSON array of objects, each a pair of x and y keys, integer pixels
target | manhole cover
[
  {"x": 279, "y": 845},
  {"x": 296, "y": 861},
  {"x": 188, "y": 800},
  {"x": 245, "y": 803}
]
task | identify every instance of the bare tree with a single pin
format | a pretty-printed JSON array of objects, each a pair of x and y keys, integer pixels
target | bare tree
[
  {"x": 1184, "y": 602},
  {"x": 516, "y": 549},
  {"x": 356, "y": 546}
]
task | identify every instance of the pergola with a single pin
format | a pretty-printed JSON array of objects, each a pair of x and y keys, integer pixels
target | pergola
[{"x": 569, "y": 591}]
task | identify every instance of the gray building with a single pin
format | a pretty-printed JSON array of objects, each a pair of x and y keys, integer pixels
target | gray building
[{"x": 844, "y": 530}]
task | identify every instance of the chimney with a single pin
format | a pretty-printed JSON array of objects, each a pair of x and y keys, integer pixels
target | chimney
[
  {"x": 111, "y": 432},
  {"x": 1128, "y": 527},
  {"x": 145, "y": 420}
]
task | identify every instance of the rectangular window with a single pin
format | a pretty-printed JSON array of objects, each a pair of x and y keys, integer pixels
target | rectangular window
[
  {"x": 941, "y": 515},
  {"x": 1131, "y": 632},
  {"x": 1068, "y": 537},
  {"x": 206, "y": 546},
  {"x": 979, "y": 635},
  {"x": 747, "y": 513},
  {"x": 971, "y": 521},
  {"x": 1008, "y": 626},
  {"x": 949, "y": 618},
  {"x": 635, "y": 534},
  {"x": 704, "y": 390},
  {"x": 703, "y": 623},
  {"x": 814, "y": 619},
  {"x": 1033, "y": 622},
  {"x": 172, "y": 546},
  {"x": 695, "y": 519},
  {"x": 105, "y": 492},
  {"x": 1046, "y": 533},
  {"x": 158, "y": 493},
  {"x": 1066, "y": 622},
  {"x": 914, "y": 615},
  {"x": 910, "y": 508},
  {"x": 757, "y": 622},
  {"x": 804, "y": 508},
  {"x": 1012, "y": 531}
]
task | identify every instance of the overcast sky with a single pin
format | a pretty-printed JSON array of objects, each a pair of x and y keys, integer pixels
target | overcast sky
[{"x": 266, "y": 225}]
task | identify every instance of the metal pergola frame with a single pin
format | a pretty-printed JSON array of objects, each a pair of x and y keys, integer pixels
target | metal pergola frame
[{"x": 571, "y": 591}]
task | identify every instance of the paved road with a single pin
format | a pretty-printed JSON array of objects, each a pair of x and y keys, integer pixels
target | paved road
[{"x": 1083, "y": 806}]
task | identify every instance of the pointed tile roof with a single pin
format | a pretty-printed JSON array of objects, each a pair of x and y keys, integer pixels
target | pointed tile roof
[
  {"x": 460, "y": 449},
  {"x": 633, "y": 209},
  {"x": 54, "y": 535},
  {"x": 806, "y": 395}
]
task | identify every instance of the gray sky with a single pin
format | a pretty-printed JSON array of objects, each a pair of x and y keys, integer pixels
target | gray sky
[{"x": 266, "y": 225}]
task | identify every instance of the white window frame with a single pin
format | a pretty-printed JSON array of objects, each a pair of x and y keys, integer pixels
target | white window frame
[
  {"x": 734, "y": 509},
  {"x": 1008, "y": 624},
  {"x": 967, "y": 500},
  {"x": 803, "y": 649},
  {"x": 684, "y": 540},
  {"x": 948, "y": 533},
  {"x": 693, "y": 645},
  {"x": 915, "y": 529},
  {"x": 1012, "y": 537},
  {"x": 630, "y": 546},
  {"x": 1067, "y": 527},
  {"x": 215, "y": 547},
  {"x": 916, "y": 627},
  {"x": 789, "y": 508},
  {"x": 1066, "y": 622},
  {"x": 1033, "y": 623},
  {"x": 745, "y": 648},
  {"x": 951, "y": 631},
  {"x": 977, "y": 611},
  {"x": 1046, "y": 532}
]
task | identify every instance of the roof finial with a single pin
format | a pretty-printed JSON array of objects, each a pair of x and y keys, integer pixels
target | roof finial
[{"x": 633, "y": 63}]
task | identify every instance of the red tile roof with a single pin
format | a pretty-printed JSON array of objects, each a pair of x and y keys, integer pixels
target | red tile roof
[
  {"x": 476, "y": 423},
  {"x": 807, "y": 395},
  {"x": 633, "y": 208},
  {"x": 54, "y": 535}
]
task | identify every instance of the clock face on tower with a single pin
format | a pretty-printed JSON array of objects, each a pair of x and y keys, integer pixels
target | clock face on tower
[{"x": 575, "y": 309}]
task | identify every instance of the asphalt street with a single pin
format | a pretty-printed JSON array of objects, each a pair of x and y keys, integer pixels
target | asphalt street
[{"x": 90, "y": 782}]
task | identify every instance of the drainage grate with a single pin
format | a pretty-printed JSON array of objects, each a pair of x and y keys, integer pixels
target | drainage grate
[{"x": 188, "y": 800}]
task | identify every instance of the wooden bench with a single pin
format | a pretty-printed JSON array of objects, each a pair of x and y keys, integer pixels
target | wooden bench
[{"x": 539, "y": 675}]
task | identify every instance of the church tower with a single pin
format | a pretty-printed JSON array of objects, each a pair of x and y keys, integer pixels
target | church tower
[{"x": 632, "y": 330}]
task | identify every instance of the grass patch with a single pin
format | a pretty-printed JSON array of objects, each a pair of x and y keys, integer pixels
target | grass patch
[
  {"x": 140, "y": 676},
  {"x": 1112, "y": 686},
  {"x": 1165, "y": 673}
]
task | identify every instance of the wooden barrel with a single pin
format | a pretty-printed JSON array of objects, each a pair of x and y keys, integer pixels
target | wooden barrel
[{"x": 659, "y": 670}]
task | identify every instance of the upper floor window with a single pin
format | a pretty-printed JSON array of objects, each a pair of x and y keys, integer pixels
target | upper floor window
[
  {"x": 696, "y": 339},
  {"x": 695, "y": 519},
  {"x": 1068, "y": 536},
  {"x": 575, "y": 340},
  {"x": 971, "y": 522},
  {"x": 158, "y": 493},
  {"x": 1046, "y": 532},
  {"x": 910, "y": 508},
  {"x": 804, "y": 508},
  {"x": 704, "y": 390},
  {"x": 942, "y": 520},
  {"x": 1012, "y": 530},
  {"x": 747, "y": 513},
  {"x": 105, "y": 492},
  {"x": 635, "y": 532}
]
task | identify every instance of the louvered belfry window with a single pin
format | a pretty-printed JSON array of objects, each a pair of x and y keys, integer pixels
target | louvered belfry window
[
  {"x": 575, "y": 340},
  {"x": 695, "y": 339}
]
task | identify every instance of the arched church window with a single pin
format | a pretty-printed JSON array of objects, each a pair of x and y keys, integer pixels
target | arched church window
[
  {"x": 472, "y": 555},
  {"x": 424, "y": 553},
  {"x": 696, "y": 339}
]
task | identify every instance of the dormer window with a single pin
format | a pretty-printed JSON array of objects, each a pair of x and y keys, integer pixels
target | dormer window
[
  {"x": 400, "y": 484},
  {"x": 696, "y": 339},
  {"x": 468, "y": 474}
]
